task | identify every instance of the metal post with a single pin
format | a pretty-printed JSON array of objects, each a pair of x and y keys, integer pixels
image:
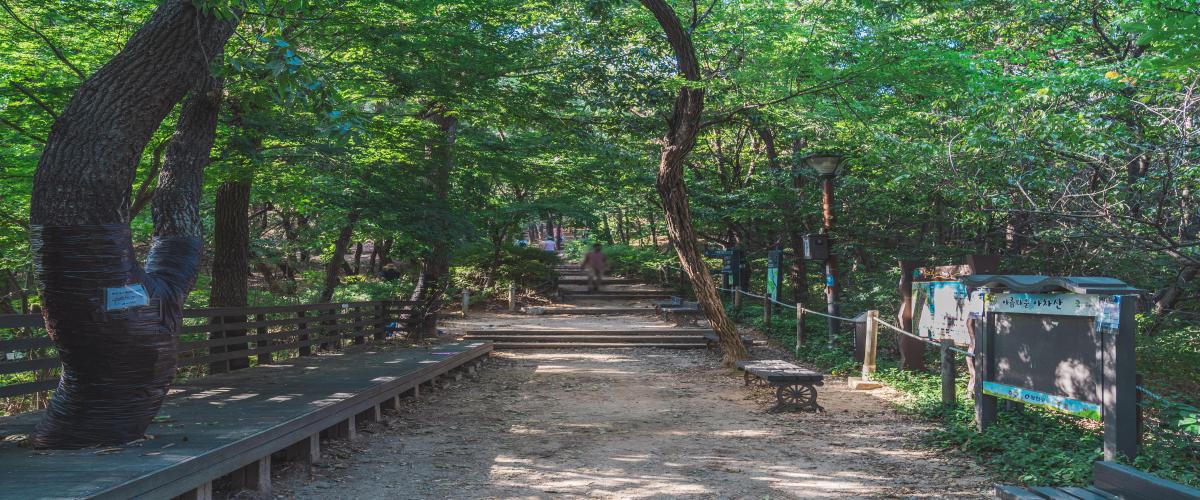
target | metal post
[
  {"x": 831, "y": 284},
  {"x": 512, "y": 297},
  {"x": 949, "y": 399},
  {"x": 868, "y": 368},
  {"x": 466, "y": 302},
  {"x": 799, "y": 326}
]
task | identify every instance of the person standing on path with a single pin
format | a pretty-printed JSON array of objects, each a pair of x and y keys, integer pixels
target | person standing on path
[
  {"x": 549, "y": 245},
  {"x": 594, "y": 264}
]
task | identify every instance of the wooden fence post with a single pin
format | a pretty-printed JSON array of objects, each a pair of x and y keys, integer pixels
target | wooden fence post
[
  {"x": 1120, "y": 385},
  {"x": 949, "y": 398},
  {"x": 305, "y": 350},
  {"x": 985, "y": 405},
  {"x": 512, "y": 297},
  {"x": 767, "y": 310},
  {"x": 264, "y": 358},
  {"x": 382, "y": 311},
  {"x": 868, "y": 368},
  {"x": 865, "y": 382},
  {"x": 218, "y": 366},
  {"x": 737, "y": 298},
  {"x": 466, "y": 301},
  {"x": 359, "y": 333},
  {"x": 799, "y": 326}
]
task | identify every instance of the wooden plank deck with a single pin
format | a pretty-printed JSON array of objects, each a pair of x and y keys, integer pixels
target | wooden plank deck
[{"x": 220, "y": 424}]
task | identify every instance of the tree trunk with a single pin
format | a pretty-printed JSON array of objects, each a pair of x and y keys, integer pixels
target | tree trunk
[
  {"x": 621, "y": 229},
  {"x": 358, "y": 250},
  {"x": 385, "y": 251},
  {"x": 795, "y": 226},
  {"x": 117, "y": 347},
  {"x": 683, "y": 126},
  {"x": 653, "y": 231},
  {"x": 334, "y": 266},
  {"x": 435, "y": 269},
  {"x": 374, "y": 256},
  {"x": 1165, "y": 300},
  {"x": 230, "y": 266}
]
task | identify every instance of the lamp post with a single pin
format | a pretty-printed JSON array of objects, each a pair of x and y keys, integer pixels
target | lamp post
[{"x": 826, "y": 166}]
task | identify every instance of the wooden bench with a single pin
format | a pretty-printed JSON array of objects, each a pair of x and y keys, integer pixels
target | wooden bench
[
  {"x": 679, "y": 311},
  {"x": 795, "y": 387},
  {"x": 672, "y": 302},
  {"x": 1111, "y": 481}
]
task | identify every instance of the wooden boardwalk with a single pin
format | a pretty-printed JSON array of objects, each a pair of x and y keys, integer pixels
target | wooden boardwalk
[{"x": 232, "y": 424}]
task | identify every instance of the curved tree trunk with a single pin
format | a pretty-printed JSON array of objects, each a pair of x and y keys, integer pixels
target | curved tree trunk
[
  {"x": 333, "y": 267},
  {"x": 113, "y": 322},
  {"x": 683, "y": 126}
]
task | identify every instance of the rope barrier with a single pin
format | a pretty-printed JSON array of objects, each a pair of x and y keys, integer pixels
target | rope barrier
[
  {"x": 748, "y": 294},
  {"x": 781, "y": 304},
  {"x": 923, "y": 339},
  {"x": 1152, "y": 395},
  {"x": 823, "y": 315}
]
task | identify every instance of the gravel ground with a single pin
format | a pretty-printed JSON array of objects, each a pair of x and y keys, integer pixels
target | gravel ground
[{"x": 631, "y": 423}]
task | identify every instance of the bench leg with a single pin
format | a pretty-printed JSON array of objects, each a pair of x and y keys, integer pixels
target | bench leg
[{"x": 802, "y": 397}]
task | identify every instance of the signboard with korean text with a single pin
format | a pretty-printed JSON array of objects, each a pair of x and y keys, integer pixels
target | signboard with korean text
[{"x": 1063, "y": 343}]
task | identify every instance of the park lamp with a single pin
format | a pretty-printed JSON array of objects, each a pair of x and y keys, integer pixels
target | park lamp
[{"x": 825, "y": 164}]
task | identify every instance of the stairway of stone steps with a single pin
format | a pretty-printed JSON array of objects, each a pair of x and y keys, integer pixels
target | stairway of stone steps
[
  {"x": 620, "y": 315},
  {"x": 573, "y": 289}
]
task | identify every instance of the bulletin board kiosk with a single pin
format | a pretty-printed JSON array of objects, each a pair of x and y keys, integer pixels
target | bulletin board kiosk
[{"x": 1061, "y": 343}]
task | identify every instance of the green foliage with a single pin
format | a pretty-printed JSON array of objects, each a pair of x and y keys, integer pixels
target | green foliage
[{"x": 482, "y": 266}]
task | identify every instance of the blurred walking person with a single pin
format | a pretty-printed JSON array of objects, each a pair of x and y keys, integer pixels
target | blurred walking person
[{"x": 594, "y": 263}]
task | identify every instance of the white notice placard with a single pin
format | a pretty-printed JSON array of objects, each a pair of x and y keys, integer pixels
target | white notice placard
[{"x": 125, "y": 297}]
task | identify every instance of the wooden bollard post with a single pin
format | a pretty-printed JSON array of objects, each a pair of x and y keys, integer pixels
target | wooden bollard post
[
  {"x": 949, "y": 398},
  {"x": 766, "y": 310},
  {"x": 466, "y": 302},
  {"x": 512, "y": 297},
  {"x": 799, "y": 326},
  {"x": 737, "y": 298},
  {"x": 868, "y": 368}
]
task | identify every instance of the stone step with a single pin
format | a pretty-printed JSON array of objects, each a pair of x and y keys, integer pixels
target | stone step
[
  {"x": 598, "y": 310},
  {"x": 615, "y": 295},
  {"x": 692, "y": 332},
  {"x": 567, "y": 345},
  {"x": 607, "y": 281},
  {"x": 591, "y": 339}
]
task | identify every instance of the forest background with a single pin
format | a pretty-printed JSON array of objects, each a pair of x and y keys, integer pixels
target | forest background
[{"x": 430, "y": 135}]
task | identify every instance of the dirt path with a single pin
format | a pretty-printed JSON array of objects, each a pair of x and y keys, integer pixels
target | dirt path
[{"x": 633, "y": 423}]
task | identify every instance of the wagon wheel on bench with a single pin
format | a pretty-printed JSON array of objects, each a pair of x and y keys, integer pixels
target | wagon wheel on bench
[{"x": 798, "y": 396}]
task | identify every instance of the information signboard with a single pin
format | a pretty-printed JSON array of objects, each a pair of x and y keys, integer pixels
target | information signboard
[
  {"x": 1060, "y": 343},
  {"x": 774, "y": 281},
  {"x": 941, "y": 310}
]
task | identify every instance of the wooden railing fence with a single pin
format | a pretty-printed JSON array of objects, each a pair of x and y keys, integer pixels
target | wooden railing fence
[{"x": 212, "y": 340}]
